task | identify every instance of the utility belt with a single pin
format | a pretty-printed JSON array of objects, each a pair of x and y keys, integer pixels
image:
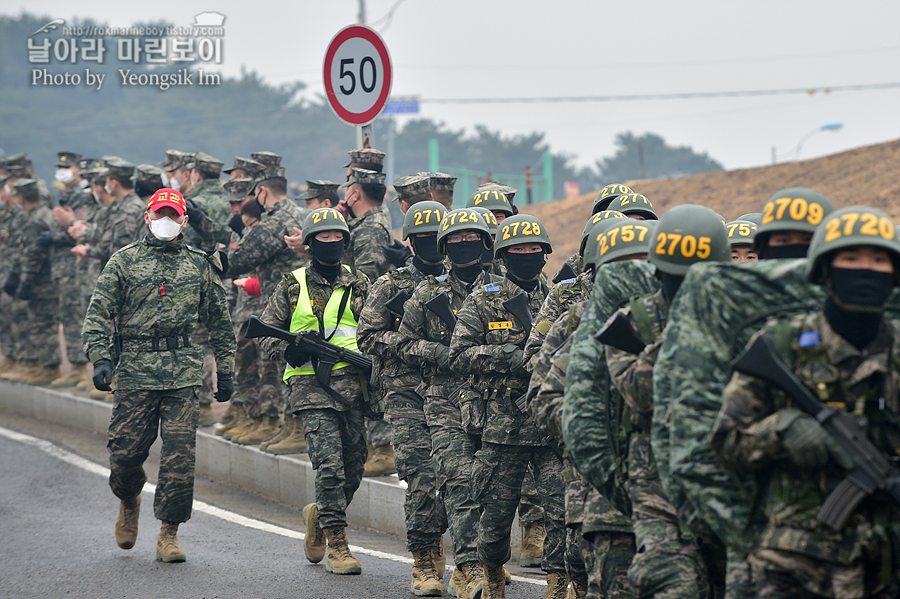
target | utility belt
[{"x": 157, "y": 343}]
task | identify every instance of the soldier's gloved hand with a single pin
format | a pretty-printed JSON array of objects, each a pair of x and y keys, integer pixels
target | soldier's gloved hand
[
  {"x": 224, "y": 387},
  {"x": 295, "y": 356},
  {"x": 809, "y": 446},
  {"x": 237, "y": 224},
  {"x": 397, "y": 253},
  {"x": 442, "y": 356},
  {"x": 11, "y": 284},
  {"x": 103, "y": 373},
  {"x": 25, "y": 291},
  {"x": 195, "y": 216},
  {"x": 516, "y": 358},
  {"x": 45, "y": 239}
]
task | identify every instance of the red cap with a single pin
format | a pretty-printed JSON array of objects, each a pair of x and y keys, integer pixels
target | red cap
[{"x": 167, "y": 197}]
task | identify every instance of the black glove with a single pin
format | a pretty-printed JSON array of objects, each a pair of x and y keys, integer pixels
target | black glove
[
  {"x": 103, "y": 372},
  {"x": 195, "y": 216},
  {"x": 24, "y": 292},
  {"x": 442, "y": 356},
  {"x": 295, "y": 356},
  {"x": 224, "y": 387},
  {"x": 11, "y": 284},
  {"x": 45, "y": 239},
  {"x": 237, "y": 224},
  {"x": 397, "y": 253},
  {"x": 808, "y": 445}
]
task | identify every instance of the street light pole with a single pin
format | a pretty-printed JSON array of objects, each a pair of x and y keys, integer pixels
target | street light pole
[{"x": 834, "y": 126}]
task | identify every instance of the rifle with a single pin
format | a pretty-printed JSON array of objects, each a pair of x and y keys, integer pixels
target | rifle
[
  {"x": 565, "y": 273},
  {"x": 395, "y": 304},
  {"x": 518, "y": 307},
  {"x": 871, "y": 471},
  {"x": 440, "y": 305},
  {"x": 618, "y": 333}
]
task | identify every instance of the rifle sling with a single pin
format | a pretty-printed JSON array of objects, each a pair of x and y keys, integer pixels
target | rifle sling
[{"x": 323, "y": 367}]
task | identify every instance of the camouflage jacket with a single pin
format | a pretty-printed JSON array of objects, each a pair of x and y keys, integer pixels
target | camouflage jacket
[
  {"x": 121, "y": 224},
  {"x": 484, "y": 345},
  {"x": 63, "y": 263},
  {"x": 157, "y": 289},
  {"x": 561, "y": 296},
  {"x": 246, "y": 305},
  {"x": 36, "y": 259},
  {"x": 747, "y": 436},
  {"x": 210, "y": 197},
  {"x": 367, "y": 234},
  {"x": 9, "y": 238},
  {"x": 420, "y": 335},
  {"x": 279, "y": 310},
  {"x": 262, "y": 249}
]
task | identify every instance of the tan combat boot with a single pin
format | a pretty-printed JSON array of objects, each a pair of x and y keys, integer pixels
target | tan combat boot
[
  {"x": 7, "y": 365},
  {"x": 557, "y": 585},
  {"x": 72, "y": 378},
  {"x": 380, "y": 462},
  {"x": 533, "y": 545},
  {"x": 42, "y": 375},
  {"x": 127, "y": 522},
  {"x": 269, "y": 426},
  {"x": 207, "y": 418},
  {"x": 494, "y": 584},
  {"x": 167, "y": 549},
  {"x": 579, "y": 589},
  {"x": 459, "y": 583},
  {"x": 440, "y": 559},
  {"x": 295, "y": 442},
  {"x": 230, "y": 413},
  {"x": 25, "y": 369},
  {"x": 240, "y": 419},
  {"x": 284, "y": 433},
  {"x": 314, "y": 544},
  {"x": 475, "y": 580},
  {"x": 243, "y": 428},
  {"x": 425, "y": 581},
  {"x": 339, "y": 560}
]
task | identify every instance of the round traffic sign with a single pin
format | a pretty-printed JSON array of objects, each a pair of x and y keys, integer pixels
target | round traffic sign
[{"x": 357, "y": 75}]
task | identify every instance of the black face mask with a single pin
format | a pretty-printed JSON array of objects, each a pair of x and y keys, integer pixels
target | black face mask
[
  {"x": 465, "y": 253},
  {"x": 327, "y": 257},
  {"x": 670, "y": 284},
  {"x": 795, "y": 250},
  {"x": 426, "y": 250},
  {"x": 524, "y": 267},
  {"x": 860, "y": 290},
  {"x": 258, "y": 203}
]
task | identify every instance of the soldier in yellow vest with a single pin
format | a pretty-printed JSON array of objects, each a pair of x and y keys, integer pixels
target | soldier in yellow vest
[{"x": 326, "y": 297}]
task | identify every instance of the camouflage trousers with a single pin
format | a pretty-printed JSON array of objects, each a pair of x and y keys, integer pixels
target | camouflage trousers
[
  {"x": 426, "y": 519},
  {"x": 378, "y": 432},
  {"x": 497, "y": 476},
  {"x": 738, "y": 577},
  {"x": 70, "y": 311},
  {"x": 452, "y": 452},
  {"x": 136, "y": 417},
  {"x": 13, "y": 314},
  {"x": 530, "y": 510},
  {"x": 258, "y": 383},
  {"x": 41, "y": 333},
  {"x": 667, "y": 564},
  {"x": 575, "y": 565},
  {"x": 607, "y": 557},
  {"x": 337, "y": 451}
]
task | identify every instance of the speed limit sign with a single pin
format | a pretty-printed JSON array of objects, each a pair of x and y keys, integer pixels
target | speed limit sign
[{"x": 357, "y": 75}]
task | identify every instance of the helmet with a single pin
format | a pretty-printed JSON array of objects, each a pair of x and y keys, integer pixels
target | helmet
[
  {"x": 490, "y": 198},
  {"x": 616, "y": 240},
  {"x": 323, "y": 219},
  {"x": 753, "y": 217},
  {"x": 522, "y": 228},
  {"x": 607, "y": 195},
  {"x": 741, "y": 232},
  {"x": 489, "y": 218},
  {"x": 423, "y": 217},
  {"x": 687, "y": 234},
  {"x": 463, "y": 219},
  {"x": 849, "y": 227},
  {"x": 600, "y": 216},
  {"x": 793, "y": 209},
  {"x": 633, "y": 203},
  {"x": 506, "y": 190}
]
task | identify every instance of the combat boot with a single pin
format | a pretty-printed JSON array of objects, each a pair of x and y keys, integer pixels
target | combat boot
[
  {"x": 380, "y": 462},
  {"x": 239, "y": 420},
  {"x": 494, "y": 584},
  {"x": 42, "y": 375},
  {"x": 245, "y": 427},
  {"x": 72, "y": 378},
  {"x": 13, "y": 366},
  {"x": 104, "y": 396},
  {"x": 295, "y": 442},
  {"x": 314, "y": 544},
  {"x": 557, "y": 585},
  {"x": 339, "y": 560},
  {"x": 533, "y": 545},
  {"x": 167, "y": 549},
  {"x": 459, "y": 583},
  {"x": 230, "y": 414},
  {"x": 475, "y": 581},
  {"x": 25, "y": 369},
  {"x": 85, "y": 384},
  {"x": 127, "y": 522},
  {"x": 579, "y": 589},
  {"x": 7, "y": 365},
  {"x": 507, "y": 577},
  {"x": 269, "y": 426},
  {"x": 425, "y": 581},
  {"x": 440, "y": 559},
  {"x": 207, "y": 418},
  {"x": 284, "y": 433}
]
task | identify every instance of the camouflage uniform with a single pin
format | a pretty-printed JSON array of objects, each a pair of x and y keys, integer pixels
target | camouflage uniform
[
  {"x": 559, "y": 298},
  {"x": 509, "y": 444},
  {"x": 401, "y": 384},
  {"x": 42, "y": 342},
  {"x": 14, "y": 311},
  {"x": 157, "y": 290},
  {"x": 67, "y": 273},
  {"x": 795, "y": 555},
  {"x": 120, "y": 224},
  {"x": 334, "y": 430},
  {"x": 210, "y": 197},
  {"x": 256, "y": 377}
]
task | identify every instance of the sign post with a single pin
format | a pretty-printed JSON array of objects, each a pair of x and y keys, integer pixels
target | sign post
[{"x": 358, "y": 77}]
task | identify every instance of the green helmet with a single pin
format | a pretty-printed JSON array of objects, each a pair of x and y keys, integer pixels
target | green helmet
[
  {"x": 489, "y": 219},
  {"x": 753, "y": 217},
  {"x": 522, "y": 228},
  {"x": 687, "y": 234},
  {"x": 423, "y": 217},
  {"x": 849, "y": 227},
  {"x": 509, "y": 192},
  {"x": 793, "y": 209},
  {"x": 598, "y": 217},
  {"x": 618, "y": 239},
  {"x": 607, "y": 195},
  {"x": 490, "y": 198},
  {"x": 741, "y": 232},
  {"x": 324, "y": 219},
  {"x": 634, "y": 203},
  {"x": 463, "y": 219}
]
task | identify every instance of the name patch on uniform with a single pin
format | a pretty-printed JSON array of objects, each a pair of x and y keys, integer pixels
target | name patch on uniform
[
  {"x": 492, "y": 287},
  {"x": 567, "y": 281},
  {"x": 499, "y": 324},
  {"x": 441, "y": 278},
  {"x": 809, "y": 339}
]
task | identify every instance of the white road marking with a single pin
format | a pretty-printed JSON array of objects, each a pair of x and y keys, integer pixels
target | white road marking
[{"x": 203, "y": 507}]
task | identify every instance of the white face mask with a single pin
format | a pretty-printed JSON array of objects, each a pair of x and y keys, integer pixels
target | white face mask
[
  {"x": 96, "y": 197},
  {"x": 165, "y": 229},
  {"x": 173, "y": 184},
  {"x": 64, "y": 175},
  {"x": 165, "y": 179},
  {"x": 107, "y": 189}
]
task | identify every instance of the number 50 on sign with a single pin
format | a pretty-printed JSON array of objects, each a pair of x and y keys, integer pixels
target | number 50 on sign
[{"x": 357, "y": 75}]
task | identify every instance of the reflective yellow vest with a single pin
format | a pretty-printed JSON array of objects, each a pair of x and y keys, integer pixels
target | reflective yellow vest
[{"x": 344, "y": 332}]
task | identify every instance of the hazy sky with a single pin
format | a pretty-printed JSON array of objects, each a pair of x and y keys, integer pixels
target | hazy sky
[{"x": 565, "y": 48}]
